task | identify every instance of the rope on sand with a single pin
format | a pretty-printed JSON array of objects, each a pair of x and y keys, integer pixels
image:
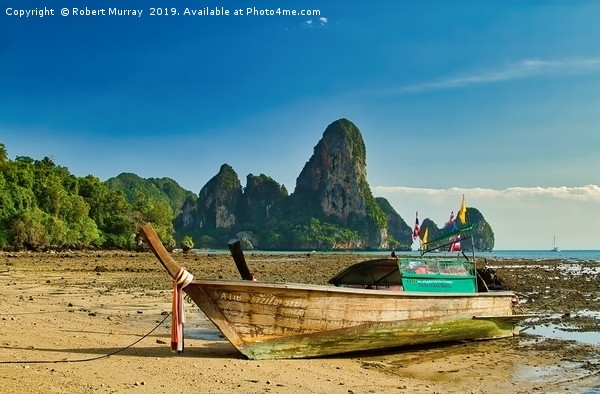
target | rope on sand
[{"x": 91, "y": 358}]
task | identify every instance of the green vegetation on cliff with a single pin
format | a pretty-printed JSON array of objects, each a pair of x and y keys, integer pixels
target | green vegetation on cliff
[
  {"x": 353, "y": 138},
  {"x": 374, "y": 212},
  {"x": 399, "y": 233},
  {"x": 483, "y": 234},
  {"x": 261, "y": 201},
  {"x": 161, "y": 190}
]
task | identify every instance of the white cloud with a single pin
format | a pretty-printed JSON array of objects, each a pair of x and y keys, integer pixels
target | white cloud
[
  {"x": 583, "y": 193},
  {"x": 521, "y": 217},
  {"x": 523, "y": 69},
  {"x": 316, "y": 23}
]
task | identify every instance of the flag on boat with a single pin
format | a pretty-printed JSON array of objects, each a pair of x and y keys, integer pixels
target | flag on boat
[
  {"x": 455, "y": 245},
  {"x": 452, "y": 222},
  {"x": 462, "y": 212},
  {"x": 425, "y": 239},
  {"x": 417, "y": 229}
]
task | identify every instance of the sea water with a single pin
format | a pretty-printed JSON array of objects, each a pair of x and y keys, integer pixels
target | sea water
[{"x": 569, "y": 255}]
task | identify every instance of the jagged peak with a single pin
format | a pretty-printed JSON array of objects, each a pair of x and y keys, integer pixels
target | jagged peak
[
  {"x": 345, "y": 128},
  {"x": 227, "y": 177},
  {"x": 226, "y": 169}
]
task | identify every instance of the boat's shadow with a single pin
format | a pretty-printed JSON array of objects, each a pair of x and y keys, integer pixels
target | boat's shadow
[
  {"x": 199, "y": 349},
  {"x": 194, "y": 349}
]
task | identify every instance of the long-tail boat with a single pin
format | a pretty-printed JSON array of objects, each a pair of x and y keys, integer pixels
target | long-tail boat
[{"x": 376, "y": 304}]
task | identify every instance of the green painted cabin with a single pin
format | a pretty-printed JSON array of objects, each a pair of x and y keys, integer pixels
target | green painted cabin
[{"x": 437, "y": 276}]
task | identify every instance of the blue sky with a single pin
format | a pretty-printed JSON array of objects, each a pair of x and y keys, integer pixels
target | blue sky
[{"x": 497, "y": 100}]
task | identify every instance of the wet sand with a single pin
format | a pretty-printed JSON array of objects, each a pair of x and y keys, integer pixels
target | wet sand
[{"x": 62, "y": 313}]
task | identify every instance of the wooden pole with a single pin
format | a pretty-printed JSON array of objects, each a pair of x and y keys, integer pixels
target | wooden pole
[
  {"x": 147, "y": 232},
  {"x": 235, "y": 247}
]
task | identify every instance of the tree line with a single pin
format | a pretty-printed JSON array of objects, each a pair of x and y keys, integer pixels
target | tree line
[{"x": 44, "y": 206}]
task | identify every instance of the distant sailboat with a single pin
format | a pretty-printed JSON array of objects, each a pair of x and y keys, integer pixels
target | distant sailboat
[{"x": 554, "y": 247}]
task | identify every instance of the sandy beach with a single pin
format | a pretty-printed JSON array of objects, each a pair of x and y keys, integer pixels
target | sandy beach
[{"x": 63, "y": 313}]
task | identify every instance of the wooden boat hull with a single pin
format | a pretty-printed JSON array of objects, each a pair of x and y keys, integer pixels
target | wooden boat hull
[
  {"x": 280, "y": 320},
  {"x": 292, "y": 321}
]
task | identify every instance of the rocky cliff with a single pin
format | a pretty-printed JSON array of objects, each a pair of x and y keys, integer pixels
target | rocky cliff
[
  {"x": 482, "y": 234},
  {"x": 262, "y": 195},
  {"x": 399, "y": 233},
  {"x": 335, "y": 178},
  {"x": 218, "y": 201},
  {"x": 335, "y": 171},
  {"x": 332, "y": 206},
  {"x": 186, "y": 220}
]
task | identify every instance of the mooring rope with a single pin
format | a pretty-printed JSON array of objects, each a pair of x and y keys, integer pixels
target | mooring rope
[{"x": 91, "y": 358}]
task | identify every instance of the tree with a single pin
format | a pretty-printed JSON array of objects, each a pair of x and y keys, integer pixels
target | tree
[
  {"x": 157, "y": 213},
  {"x": 111, "y": 212},
  {"x": 187, "y": 243},
  {"x": 3, "y": 154},
  {"x": 28, "y": 231}
]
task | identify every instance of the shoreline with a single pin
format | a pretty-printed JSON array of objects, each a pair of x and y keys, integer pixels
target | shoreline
[{"x": 73, "y": 305}]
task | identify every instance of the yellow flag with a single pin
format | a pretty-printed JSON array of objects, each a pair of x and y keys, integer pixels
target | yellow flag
[
  {"x": 425, "y": 239},
  {"x": 462, "y": 213}
]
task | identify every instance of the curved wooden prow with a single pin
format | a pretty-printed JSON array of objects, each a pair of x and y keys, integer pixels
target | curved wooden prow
[
  {"x": 147, "y": 232},
  {"x": 235, "y": 247}
]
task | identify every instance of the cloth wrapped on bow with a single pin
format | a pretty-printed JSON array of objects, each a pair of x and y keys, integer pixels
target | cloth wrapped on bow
[{"x": 182, "y": 279}]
